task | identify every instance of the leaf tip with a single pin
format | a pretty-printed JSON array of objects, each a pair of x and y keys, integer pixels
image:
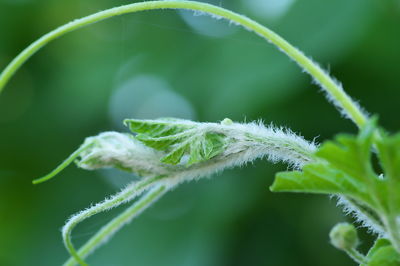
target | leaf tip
[{"x": 42, "y": 179}]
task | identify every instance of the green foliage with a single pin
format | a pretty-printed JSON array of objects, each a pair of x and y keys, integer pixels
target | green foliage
[
  {"x": 389, "y": 154},
  {"x": 382, "y": 254},
  {"x": 343, "y": 168},
  {"x": 178, "y": 138}
]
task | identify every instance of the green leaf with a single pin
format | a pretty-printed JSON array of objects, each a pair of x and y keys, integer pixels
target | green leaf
[
  {"x": 382, "y": 254},
  {"x": 389, "y": 154},
  {"x": 179, "y": 138},
  {"x": 347, "y": 155},
  {"x": 320, "y": 178},
  {"x": 351, "y": 154},
  {"x": 159, "y": 134},
  {"x": 343, "y": 168},
  {"x": 379, "y": 243}
]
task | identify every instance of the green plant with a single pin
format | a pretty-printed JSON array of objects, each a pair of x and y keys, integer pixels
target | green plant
[{"x": 167, "y": 152}]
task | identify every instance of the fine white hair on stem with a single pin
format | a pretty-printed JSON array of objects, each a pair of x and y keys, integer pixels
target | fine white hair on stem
[
  {"x": 244, "y": 143},
  {"x": 127, "y": 194},
  {"x": 277, "y": 144},
  {"x": 108, "y": 230},
  {"x": 332, "y": 88},
  {"x": 332, "y": 98},
  {"x": 361, "y": 215},
  {"x": 252, "y": 141}
]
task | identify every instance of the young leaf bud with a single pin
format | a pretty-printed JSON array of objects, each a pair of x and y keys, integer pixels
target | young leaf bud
[{"x": 344, "y": 236}]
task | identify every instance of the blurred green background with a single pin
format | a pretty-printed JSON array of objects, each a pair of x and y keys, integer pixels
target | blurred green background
[{"x": 171, "y": 63}]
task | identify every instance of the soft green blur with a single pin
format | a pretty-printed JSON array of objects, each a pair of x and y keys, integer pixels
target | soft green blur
[{"x": 171, "y": 63}]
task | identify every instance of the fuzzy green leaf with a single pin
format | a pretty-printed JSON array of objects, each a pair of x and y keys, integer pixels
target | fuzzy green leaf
[
  {"x": 348, "y": 155},
  {"x": 319, "y": 178},
  {"x": 159, "y": 134},
  {"x": 382, "y": 254},
  {"x": 343, "y": 168},
  {"x": 178, "y": 138},
  {"x": 379, "y": 243},
  {"x": 351, "y": 154}
]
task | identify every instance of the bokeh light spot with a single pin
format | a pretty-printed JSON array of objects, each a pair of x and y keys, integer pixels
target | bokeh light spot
[{"x": 147, "y": 97}]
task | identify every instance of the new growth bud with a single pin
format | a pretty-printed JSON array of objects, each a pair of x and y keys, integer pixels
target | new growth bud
[
  {"x": 344, "y": 236},
  {"x": 122, "y": 151}
]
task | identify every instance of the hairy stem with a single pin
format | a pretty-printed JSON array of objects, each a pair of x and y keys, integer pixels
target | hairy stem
[
  {"x": 356, "y": 256},
  {"x": 364, "y": 214},
  {"x": 107, "y": 231},
  {"x": 334, "y": 90},
  {"x": 127, "y": 194}
]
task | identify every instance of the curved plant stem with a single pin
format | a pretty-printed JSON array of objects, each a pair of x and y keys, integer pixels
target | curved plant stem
[
  {"x": 63, "y": 165},
  {"x": 114, "y": 225},
  {"x": 356, "y": 256},
  {"x": 334, "y": 90},
  {"x": 127, "y": 194}
]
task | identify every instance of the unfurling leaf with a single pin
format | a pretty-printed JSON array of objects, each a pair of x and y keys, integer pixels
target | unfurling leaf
[{"x": 180, "y": 139}]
